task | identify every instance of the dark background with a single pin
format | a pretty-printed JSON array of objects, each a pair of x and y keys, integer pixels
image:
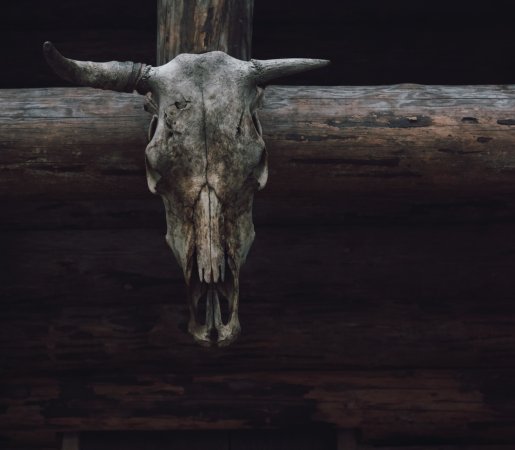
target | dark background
[{"x": 369, "y": 42}]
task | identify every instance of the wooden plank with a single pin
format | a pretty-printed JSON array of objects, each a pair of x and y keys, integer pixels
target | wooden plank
[
  {"x": 388, "y": 146},
  {"x": 292, "y": 438},
  {"x": 267, "y": 211},
  {"x": 382, "y": 404},
  {"x": 314, "y": 438},
  {"x": 325, "y": 297},
  {"x": 28, "y": 439},
  {"x": 74, "y": 140},
  {"x": 198, "y": 27},
  {"x": 155, "y": 440}
]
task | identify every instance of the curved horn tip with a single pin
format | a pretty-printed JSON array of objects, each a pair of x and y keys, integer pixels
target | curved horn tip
[
  {"x": 49, "y": 49},
  {"x": 50, "y": 52},
  {"x": 269, "y": 69}
]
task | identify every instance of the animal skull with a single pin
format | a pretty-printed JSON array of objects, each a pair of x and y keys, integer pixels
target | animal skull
[{"x": 206, "y": 158}]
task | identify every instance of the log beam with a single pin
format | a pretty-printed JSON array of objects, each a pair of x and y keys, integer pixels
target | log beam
[
  {"x": 416, "y": 404},
  {"x": 397, "y": 142},
  {"x": 80, "y": 301},
  {"x": 184, "y": 26}
]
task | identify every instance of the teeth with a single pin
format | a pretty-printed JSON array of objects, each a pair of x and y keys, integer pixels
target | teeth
[
  {"x": 216, "y": 274},
  {"x": 212, "y": 275},
  {"x": 209, "y": 235}
]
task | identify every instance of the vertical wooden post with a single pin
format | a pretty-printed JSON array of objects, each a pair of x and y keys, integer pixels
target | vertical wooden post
[{"x": 197, "y": 26}]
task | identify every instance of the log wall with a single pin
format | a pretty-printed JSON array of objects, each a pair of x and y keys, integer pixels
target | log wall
[
  {"x": 380, "y": 301},
  {"x": 378, "y": 296},
  {"x": 392, "y": 147},
  {"x": 393, "y": 331}
]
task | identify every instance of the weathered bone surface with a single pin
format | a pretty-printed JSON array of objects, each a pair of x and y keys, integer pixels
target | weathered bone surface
[{"x": 205, "y": 158}]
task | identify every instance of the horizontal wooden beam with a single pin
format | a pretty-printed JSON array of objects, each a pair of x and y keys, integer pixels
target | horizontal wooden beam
[
  {"x": 417, "y": 404},
  {"x": 312, "y": 297},
  {"x": 404, "y": 143}
]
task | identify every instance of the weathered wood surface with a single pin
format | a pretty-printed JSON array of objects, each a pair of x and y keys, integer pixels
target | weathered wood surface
[
  {"x": 83, "y": 313},
  {"x": 29, "y": 439},
  {"x": 156, "y": 440},
  {"x": 320, "y": 298},
  {"x": 292, "y": 439},
  {"x": 383, "y": 404},
  {"x": 184, "y": 26},
  {"x": 387, "y": 146},
  {"x": 268, "y": 210}
]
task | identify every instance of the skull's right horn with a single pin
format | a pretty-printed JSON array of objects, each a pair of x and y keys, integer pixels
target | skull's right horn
[
  {"x": 268, "y": 69},
  {"x": 115, "y": 76}
]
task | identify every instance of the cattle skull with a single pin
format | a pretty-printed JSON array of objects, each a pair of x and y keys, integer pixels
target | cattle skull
[{"x": 206, "y": 157}]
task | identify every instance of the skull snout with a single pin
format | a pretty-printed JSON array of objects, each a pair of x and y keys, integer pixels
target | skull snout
[
  {"x": 214, "y": 315},
  {"x": 213, "y": 286},
  {"x": 209, "y": 236}
]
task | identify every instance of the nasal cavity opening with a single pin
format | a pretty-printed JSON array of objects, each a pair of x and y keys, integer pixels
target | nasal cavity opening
[
  {"x": 201, "y": 310},
  {"x": 225, "y": 310}
]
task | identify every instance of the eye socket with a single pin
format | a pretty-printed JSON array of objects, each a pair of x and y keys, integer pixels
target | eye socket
[
  {"x": 152, "y": 127},
  {"x": 181, "y": 104}
]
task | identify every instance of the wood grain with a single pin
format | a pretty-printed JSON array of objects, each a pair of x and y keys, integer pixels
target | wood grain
[
  {"x": 155, "y": 440},
  {"x": 314, "y": 438},
  {"x": 28, "y": 439},
  {"x": 383, "y": 404},
  {"x": 202, "y": 26},
  {"x": 316, "y": 298},
  {"x": 402, "y": 333},
  {"x": 369, "y": 148}
]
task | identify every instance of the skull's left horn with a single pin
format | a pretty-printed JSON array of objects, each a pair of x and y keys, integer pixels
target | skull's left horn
[
  {"x": 115, "y": 76},
  {"x": 268, "y": 69}
]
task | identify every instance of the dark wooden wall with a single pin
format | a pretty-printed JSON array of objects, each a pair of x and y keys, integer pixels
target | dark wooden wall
[{"x": 396, "y": 322}]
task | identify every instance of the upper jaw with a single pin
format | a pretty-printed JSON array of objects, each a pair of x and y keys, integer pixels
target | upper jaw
[{"x": 214, "y": 311}]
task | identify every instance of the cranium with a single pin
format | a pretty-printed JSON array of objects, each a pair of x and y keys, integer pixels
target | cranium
[{"x": 206, "y": 157}]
